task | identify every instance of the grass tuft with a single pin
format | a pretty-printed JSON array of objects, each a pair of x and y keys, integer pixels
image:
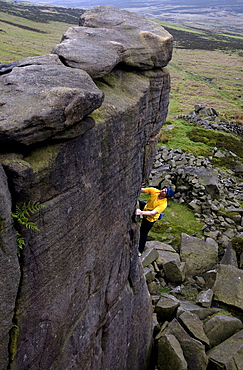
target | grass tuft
[{"x": 177, "y": 219}]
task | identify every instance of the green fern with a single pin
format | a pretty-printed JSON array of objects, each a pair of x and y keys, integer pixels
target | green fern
[
  {"x": 20, "y": 243},
  {"x": 22, "y": 217}
]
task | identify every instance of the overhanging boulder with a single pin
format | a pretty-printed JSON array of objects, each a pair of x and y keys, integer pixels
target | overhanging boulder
[
  {"x": 41, "y": 100},
  {"x": 114, "y": 36}
]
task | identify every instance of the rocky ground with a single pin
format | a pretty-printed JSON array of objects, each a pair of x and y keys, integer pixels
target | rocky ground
[
  {"x": 213, "y": 194},
  {"x": 200, "y": 315},
  {"x": 197, "y": 288}
]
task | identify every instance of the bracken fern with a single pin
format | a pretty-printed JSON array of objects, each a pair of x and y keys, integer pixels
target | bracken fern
[{"x": 22, "y": 216}]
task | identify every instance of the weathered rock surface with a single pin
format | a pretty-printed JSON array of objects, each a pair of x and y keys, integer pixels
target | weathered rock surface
[
  {"x": 228, "y": 287},
  {"x": 194, "y": 326},
  {"x": 38, "y": 60},
  {"x": 198, "y": 254},
  {"x": 41, "y": 100},
  {"x": 111, "y": 36},
  {"x": 166, "y": 307},
  {"x": 84, "y": 149},
  {"x": 10, "y": 271},
  {"x": 193, "y": 350},
  {"x": 170, "y": 354},
  {"x": 229, "y": 354},
  {"x": 220, "y": 328}
]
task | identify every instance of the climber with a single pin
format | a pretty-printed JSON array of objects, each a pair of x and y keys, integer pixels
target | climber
[{"x": 152, "y": 211}]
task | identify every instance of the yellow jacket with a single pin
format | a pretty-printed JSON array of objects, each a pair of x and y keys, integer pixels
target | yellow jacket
[{"x": 154, "y": 203}]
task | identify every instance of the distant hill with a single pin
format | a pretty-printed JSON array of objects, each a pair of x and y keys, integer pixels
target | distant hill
[
  {"x": 40, "y": 13},
  {"x": 213, "y": 14}
]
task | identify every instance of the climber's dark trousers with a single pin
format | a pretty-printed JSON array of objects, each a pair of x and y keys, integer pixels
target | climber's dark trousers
[{"x": 144, "y": 229}]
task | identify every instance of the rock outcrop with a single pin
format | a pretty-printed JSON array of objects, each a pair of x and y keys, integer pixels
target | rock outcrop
[
  {"x": 82, "y": 147},
  {"x": 110, "y": 37}
]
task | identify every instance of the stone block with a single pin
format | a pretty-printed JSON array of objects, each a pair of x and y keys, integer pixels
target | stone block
[
  {"x": 170, "y": 354},
  {"x": 221, "y": 327},
  {"x": 228, "y": 287},
  {"x": 198, "y": 254},
  {"x": 229, "y": 354},
  {"x": 166, "y": 307},
  {"x": 204, "y": 298},
  {"x": 149, "y": 255}
]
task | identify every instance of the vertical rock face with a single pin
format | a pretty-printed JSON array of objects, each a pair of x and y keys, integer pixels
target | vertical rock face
[
  {"x": 9, "y": 272},
  {"x": 82, "y": 148}
]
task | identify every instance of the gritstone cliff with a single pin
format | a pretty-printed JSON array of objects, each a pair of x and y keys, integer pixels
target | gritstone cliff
[{"x": 78, "y": 134}]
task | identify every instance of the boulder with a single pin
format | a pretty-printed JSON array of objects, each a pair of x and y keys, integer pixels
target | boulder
[
  {"x": 154, "y": 287},
  {"x": 170, "y": 354},
  {"x": 210, "y": 277},
  {"x": 229, "y": 354},
  {"x": 194, "y": 326},
  {"x": 198, "y": 254},
  {"x": 112, "y": 37},
  {"x": 149, "y": 275},
  {"x": 156, "y": 325},
  {"x": 149, "y": 255},
  {"x": 221, "y": 327},
  {"x": 201, "y": 312},
  {"x": 160, "y": 246},
  {"x": 166, "y": 307},
  {"x": 166, "y": 256},
  {"x": 229, "y": 257},
  {"x": 174, "y": 272},
  {"x": 170, "y": 262},
  {"x": 228, "y": 287},
  {"x": 193, "y": 350},
  {"x": 41, "y": 100},
  {"x": 195, "y": 205},
  {"x": 205, "y": 298}
]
